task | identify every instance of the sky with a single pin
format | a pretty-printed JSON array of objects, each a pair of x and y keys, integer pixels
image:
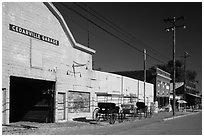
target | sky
[{"x": 144, "y": 25}]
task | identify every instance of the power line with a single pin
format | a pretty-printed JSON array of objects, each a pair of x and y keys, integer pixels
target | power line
[
  {"x": 84, "y": 29},
  {"x": 88, "y": 26},
  {"x": 123, "y": 32},
  {"x": 128, "y": 44}
]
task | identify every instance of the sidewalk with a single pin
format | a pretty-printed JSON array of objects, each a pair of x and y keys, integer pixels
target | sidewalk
[
  {"x": 50, "y": 128},
  {"x": 38, "y": 128}
]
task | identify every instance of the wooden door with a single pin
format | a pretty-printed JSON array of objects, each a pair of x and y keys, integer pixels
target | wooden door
[{"x": 61, "y": 106}]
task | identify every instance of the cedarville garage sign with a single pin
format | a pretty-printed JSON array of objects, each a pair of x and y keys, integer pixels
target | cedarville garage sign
[{"x": 33, "y": 34}]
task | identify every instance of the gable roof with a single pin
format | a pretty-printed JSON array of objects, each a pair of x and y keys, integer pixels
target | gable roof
[{"x": 67, "y": 31}]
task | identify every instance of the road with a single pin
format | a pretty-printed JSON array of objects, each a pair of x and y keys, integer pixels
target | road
[{"x": 188, "y": 125}]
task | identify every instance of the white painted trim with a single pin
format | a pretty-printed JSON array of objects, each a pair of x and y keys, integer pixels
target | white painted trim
[
  {"x": 184, "y": 115},
  {"x": 66, "y": 107},
  {"x": 163, "y": 71},
  {"x": 67, "y": 31},
  {"x": 164, "y": 76}
]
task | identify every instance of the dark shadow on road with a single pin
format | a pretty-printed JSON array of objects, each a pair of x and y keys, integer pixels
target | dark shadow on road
[{"x": 83, "y": 119}]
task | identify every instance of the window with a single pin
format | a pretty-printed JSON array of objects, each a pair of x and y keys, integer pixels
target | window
[
  {"x": 167, "y": 87},
  {"x": 78, "y": 102}
]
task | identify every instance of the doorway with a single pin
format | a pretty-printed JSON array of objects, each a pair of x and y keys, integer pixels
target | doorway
[{"x": 31, "y": 100}]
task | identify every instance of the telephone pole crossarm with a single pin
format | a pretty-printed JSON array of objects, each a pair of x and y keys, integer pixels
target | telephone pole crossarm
[{"x": 172, "y": 28}]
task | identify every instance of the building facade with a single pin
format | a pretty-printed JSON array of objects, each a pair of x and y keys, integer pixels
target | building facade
[
  {"x": 159, "y": 78},
  {"x": 46, "y": 75},
  {"x": 192, "y": 96},
  {"x": 162, "y": 87}
]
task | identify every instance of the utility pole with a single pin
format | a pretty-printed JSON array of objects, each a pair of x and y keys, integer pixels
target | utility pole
[
  {"x": 173, "y": 28},
  {"x": 144, "y": 72},
  {"x": 184, "y": 81},
  {"x": 88, "y": 26}
]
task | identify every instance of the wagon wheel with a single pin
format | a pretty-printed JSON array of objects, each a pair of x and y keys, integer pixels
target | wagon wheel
[
  {"x": 140, "y": 113},
  {"x": 96, "y": 115},
  {"x": 134, "y": 113},
  {"x": 145, "y": 112},
  {"x": 112, "y": 118},
  {"x": 104, "y": 116},
  {"x": 120, "y": 117},
  {"x": 150, "y": 113}
]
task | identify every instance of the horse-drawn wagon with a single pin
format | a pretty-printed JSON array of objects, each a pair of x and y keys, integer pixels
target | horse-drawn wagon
[
  {"x": 107, "y": 112},
  {"x": 128, "y": 109}
]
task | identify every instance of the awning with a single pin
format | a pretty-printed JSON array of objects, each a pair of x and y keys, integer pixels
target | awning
[
  {"x": 181, "y": 101},
  {"x": 106, "y": 94},
  {"x": 193, "y": 95},
  {"x": 130, "y": 96},
  {"x": 102, "y": 94},
  {"x": 116, "y": 95},
  {"x": 177, "y": 85},
  {"x": 176, "y": 97}
]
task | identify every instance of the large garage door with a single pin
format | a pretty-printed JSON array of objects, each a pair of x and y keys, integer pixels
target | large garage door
[{"x": 31, "y": 100}]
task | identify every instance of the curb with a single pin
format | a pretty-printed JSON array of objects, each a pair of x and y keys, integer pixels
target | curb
[{"x": 166, "y": 119}]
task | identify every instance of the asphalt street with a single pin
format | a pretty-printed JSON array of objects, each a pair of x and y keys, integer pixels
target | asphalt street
[
  {"x": 184, "y": 123},
  {"x": 187, "y": 125}
]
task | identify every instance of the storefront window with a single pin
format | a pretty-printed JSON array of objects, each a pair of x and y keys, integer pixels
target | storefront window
[{"x": 78, "y": 102}]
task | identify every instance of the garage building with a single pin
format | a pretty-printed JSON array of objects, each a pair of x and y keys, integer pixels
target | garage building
[{"x": 46, "y": 75}]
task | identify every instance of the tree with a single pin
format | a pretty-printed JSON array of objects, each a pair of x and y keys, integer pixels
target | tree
[
  {"x": 191, "y": 75},
  {"x": 179, "y": 67}
]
